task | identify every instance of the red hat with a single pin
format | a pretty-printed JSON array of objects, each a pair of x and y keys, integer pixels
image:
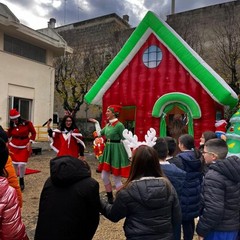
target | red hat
[
  {"x": 115, "y": 108},
  {"x": 14, "y": 113}
]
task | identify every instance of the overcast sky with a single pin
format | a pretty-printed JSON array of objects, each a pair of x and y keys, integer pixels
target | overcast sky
[{"x": 36, "y": 13}]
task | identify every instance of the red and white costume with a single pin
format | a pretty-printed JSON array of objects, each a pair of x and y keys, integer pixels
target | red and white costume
[
  {"x": 20, "y": 135},
  {"x": 66, "y": 142}
]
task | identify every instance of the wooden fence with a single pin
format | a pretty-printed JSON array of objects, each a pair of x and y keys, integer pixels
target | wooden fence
[{"x": 42, "y": 134}]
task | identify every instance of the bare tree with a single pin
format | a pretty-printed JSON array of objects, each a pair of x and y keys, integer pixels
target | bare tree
[
  {"x": 76, "y": 73},
  {"x": 226, "y": 47},
  {"x": 190, "y": 31}
]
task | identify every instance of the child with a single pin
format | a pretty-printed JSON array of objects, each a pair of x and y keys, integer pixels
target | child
[
  {"x": 220, "y": 194},
  {"x": 190, "y": 198},
  {"x": 172, "y": 147},
  {"x": 175, "y": 175},
  {"x": 207, "y": 135}
]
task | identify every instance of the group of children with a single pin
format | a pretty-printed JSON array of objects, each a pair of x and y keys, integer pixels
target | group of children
[
  {"x": 190, "y": 171},
  {"x": 163, "y": 195}
]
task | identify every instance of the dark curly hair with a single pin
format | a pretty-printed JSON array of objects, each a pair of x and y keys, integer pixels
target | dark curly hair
[{"x": 63, "y": 123}]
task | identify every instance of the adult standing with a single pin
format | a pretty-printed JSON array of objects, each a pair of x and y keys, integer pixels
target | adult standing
[
  {"x": 21, "y": 134},
  {"x": 69, "y": 202},
  {"x": 115, "y": 159},
  {"x": 147, "y": 201},
  {"x": 67, "y": 140}
]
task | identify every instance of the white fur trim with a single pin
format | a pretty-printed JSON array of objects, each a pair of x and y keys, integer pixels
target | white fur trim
[{"x": 15, "y": 146}]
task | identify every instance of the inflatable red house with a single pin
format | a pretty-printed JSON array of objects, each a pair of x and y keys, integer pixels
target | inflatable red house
[{"x": 156, "y": 75}]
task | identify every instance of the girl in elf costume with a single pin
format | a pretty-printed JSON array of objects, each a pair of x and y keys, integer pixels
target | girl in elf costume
[
  {"x": 21, "y": 134},
  {"x": 67, "y": 140},
  {"x": 115, "y": 159}
]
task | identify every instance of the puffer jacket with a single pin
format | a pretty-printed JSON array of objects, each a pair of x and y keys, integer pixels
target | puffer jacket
[
  {"x": 190, "y": 197},
  {"x": 69, "y": 203},
  {"x": 175, "y": 175},
  {"x": 12, "y": 227},
  {"x": 150, "y": 206},
  {"x": 13, "y": 180},
  {"x": 220, "y": 197}
]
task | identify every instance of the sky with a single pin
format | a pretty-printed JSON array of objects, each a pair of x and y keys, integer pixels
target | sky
[{"x": 36, "y": 13}]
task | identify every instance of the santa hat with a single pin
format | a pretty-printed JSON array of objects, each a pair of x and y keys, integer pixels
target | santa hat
[
  {"x": 220, "y": 126},
  {"x": 14, "y": 113},
  {"x": 115, "y": 108}
]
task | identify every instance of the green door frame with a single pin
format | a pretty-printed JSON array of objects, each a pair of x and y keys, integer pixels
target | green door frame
[{"x": 168, "y": 101}]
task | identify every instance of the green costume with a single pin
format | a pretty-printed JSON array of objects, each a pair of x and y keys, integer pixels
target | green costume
[{"x": 115, "y": 158}]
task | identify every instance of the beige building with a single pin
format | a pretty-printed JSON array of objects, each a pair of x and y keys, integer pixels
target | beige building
[{"x": 26, "y": 71}]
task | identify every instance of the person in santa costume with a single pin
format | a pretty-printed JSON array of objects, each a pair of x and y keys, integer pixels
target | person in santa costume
[
  {"x": 115, "y": 159},
  {"x": 67, "y": 140},
  {"x": 21, "y": 134},
  {"x": 220, "y": 130}
]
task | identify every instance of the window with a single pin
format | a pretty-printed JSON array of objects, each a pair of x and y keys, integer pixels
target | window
[
  {"x": 152, "y": 56},
  {"x": 23, "y": 105},
  {"x": 24, "y": 49}
]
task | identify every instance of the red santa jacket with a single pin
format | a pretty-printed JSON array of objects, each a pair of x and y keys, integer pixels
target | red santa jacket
[
  {"x": 66, "y": 143},
  {"x": 21, "y": 134}
]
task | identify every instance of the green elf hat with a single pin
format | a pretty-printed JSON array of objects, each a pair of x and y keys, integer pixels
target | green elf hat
[{"x": 115, "y": 109}]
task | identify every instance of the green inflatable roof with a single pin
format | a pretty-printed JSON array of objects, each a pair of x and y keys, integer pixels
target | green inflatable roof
[{"x": 216, "y": 87}]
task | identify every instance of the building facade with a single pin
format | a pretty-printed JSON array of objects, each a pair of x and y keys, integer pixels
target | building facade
[{"x": 26, "y": 71}]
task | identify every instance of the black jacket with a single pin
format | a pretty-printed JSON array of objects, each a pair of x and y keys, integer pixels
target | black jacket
[
  {"x": 69, "y": 203},
  {"x": 150, "y": 207},
  {"x": 221, "y": 197}
]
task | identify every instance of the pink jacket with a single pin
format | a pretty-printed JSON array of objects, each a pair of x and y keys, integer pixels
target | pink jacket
[{"x": 12, "y": 227}]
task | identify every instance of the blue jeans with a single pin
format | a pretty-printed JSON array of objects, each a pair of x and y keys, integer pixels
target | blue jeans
[{"x": 217, "y": 235}]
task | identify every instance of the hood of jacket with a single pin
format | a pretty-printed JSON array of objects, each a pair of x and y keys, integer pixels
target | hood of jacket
[
  {"x": 150, "y": 191},
  {"x": 190, "y": 162},
  {"x": 66, "y": 170},
  {"x": 229, "y": 167}
]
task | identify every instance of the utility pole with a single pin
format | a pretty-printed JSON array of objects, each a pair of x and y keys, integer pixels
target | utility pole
[
  {"x": 65, "y": 5},
  {"x": 173, "y": 7}
]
